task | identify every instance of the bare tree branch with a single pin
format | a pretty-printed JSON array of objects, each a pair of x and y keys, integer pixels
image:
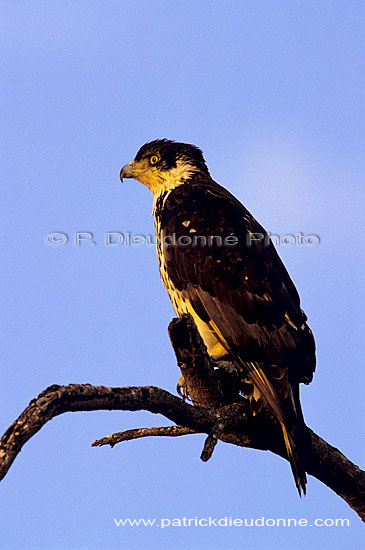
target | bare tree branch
[
  {"x": 128, "y": 435},
  {"x": 217, "y": 410},
  {"x": 57, "y": 400}
]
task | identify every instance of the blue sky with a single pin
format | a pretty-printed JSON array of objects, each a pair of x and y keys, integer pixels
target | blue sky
[{"x": 273, "y": 92}]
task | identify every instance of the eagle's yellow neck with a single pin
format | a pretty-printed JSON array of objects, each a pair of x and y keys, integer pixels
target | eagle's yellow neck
[{"x": 166, "y": 181}]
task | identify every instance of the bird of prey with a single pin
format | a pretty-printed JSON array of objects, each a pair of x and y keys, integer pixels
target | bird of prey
[{"x": 216, "y": 267}]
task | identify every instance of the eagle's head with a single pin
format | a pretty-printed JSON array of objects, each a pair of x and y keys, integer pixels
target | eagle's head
[{"x": 163, "y": 164}]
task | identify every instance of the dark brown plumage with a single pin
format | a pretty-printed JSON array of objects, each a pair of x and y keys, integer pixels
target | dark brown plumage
[{"x": 241, "y": 296}]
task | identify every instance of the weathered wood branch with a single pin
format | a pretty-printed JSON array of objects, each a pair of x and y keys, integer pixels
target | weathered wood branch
[
  {"x": 217, "y": 410},
  {"x": 57, "y": 400},
  {"x": 128, "y": 435}
]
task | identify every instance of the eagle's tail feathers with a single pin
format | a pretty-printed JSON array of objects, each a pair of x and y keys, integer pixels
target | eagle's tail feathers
[
  {"x": 295, "y": 462},
  {"x": 260, "y": 380},
  {"x": 291, "y": 436}
]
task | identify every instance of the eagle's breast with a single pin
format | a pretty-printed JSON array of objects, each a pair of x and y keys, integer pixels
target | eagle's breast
[{"x": 180, "y": 303}]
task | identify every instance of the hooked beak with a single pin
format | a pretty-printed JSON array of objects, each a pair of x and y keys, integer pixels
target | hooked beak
[{"x": 127, "y": 170}]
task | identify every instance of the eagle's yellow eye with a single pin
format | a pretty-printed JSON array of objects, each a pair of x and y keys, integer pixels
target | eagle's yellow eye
[{"x": 154, "y": 159}]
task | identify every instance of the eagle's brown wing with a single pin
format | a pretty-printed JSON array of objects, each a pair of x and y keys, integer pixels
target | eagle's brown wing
[{"x": 217, "y": 256}]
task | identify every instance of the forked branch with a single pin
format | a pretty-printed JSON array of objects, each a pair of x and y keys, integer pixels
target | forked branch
[{"x": 217, "y": 411}]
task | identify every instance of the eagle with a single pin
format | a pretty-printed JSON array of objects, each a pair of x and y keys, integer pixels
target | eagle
[{"x": 216, "y": 265}]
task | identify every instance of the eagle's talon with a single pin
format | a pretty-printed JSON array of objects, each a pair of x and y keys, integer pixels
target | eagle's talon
[{"x": 182, "y": 389}]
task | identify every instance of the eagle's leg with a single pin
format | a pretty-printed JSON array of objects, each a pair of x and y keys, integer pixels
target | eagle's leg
[{"x": 232, "y": 377}]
